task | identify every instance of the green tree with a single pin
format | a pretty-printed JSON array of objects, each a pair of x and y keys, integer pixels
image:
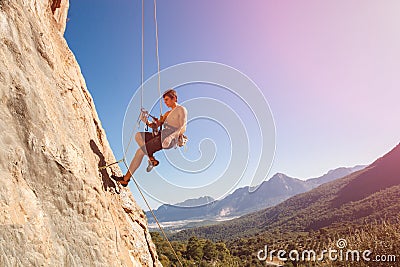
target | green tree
[
  {"x": 222, "y": 250},
  {"x": 209, "y": 251},
  {"x": 164, "y": 260},
  {"x": 194, "y": 249}
]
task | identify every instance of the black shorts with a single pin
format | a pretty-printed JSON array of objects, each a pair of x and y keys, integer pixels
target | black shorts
[{"x": 152, "y": 143}]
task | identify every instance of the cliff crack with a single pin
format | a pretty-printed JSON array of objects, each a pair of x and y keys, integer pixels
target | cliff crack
[
  {"x": 153, "y": 256},
  {"x": 56, "y": 4}
]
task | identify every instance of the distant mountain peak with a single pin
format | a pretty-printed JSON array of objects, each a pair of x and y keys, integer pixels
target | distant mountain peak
[
  {"x": 279, "y": 176},
  {"x": 334, "y": 170},
  {"x": 195, "y": 201}
]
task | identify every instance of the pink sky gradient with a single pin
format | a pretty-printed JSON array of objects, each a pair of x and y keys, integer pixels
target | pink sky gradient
[{"x": 337, "y": 65}]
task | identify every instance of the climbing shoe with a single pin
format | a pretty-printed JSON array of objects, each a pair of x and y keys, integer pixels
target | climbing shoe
[
  {"x": 120, "y": 180},
  {"x": 152, "y": 163}
]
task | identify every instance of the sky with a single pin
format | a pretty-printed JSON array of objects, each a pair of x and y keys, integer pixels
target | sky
[{"x": 327, "y": 70}]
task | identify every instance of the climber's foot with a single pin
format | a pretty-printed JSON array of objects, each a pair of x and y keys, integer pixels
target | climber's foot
[
  {"x": 120, "y": 180},
  {"x": 152, "y": 163}
]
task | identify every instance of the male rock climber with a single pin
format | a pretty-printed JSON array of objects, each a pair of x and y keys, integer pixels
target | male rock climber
[{"x": 174, "y": 125}]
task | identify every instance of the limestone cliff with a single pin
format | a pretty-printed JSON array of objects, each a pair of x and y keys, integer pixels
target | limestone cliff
[{"x": 56, "y": 208}]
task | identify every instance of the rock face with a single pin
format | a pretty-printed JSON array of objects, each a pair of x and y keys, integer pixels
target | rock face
[{"x": 56, "y": 207}]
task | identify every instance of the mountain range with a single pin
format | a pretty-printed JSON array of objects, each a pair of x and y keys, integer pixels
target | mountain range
[
  {"x": 368, "y": 195},
  {"x": 272, "y": 192}
]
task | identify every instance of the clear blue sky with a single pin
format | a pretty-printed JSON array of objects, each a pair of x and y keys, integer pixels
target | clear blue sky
[{"x": 329, "y": 71}]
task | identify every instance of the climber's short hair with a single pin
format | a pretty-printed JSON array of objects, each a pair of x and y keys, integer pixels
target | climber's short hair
[{"x": 171, "y": 93}]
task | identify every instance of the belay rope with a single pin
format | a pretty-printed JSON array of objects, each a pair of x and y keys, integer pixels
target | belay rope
[{"x": 138, "y": 124}]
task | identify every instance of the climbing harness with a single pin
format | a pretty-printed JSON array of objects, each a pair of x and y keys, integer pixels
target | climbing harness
[{"x": 144, "y": 117}]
